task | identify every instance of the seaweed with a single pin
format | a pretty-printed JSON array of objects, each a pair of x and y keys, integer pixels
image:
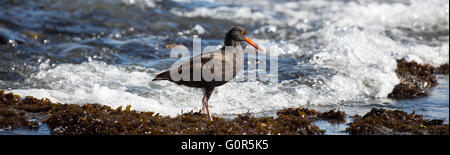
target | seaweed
[
  {"x": 312, "y": 115},
  {"x": 442, "y": 69},
  {"x": 14, "y": 110},
  {"x": 95, "y": 119},
  {"x": 382, "y": 121},
  {"x": 11, "y": 119},
  {"x": 300, "y": 112},
  {"x": 333, "y": 116},
  {"x": 415, "y": 79}
]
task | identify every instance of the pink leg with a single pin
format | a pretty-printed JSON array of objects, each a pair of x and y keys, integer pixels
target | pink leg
[
  {"x": 204, "y": 105},
  {"x": 207, "y": 95},
  {"x": 207, "y": 110}
]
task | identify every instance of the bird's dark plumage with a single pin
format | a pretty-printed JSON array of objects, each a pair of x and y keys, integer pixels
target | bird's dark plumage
[{"x": 233, "y": 38}]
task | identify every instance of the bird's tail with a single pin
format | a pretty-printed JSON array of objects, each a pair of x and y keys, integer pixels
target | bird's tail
[{"x": 162, "y": 76}]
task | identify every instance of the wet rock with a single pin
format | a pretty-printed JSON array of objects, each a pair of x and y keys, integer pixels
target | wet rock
[
  {"x": 382, "y": 121},
  {"x": 415, "y": 79}
]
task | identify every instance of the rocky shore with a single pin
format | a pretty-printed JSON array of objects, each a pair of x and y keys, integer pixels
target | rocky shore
[{"x": 94, "y": 119}]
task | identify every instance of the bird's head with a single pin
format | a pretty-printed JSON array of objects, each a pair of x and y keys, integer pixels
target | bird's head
[{"x": 239, "y": 34}]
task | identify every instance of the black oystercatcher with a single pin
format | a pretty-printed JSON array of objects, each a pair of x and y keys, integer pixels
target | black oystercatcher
[{"x": 233, "y": 38}]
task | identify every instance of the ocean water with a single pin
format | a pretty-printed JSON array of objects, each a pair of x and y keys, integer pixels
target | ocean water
[{"x": 332, "y": 54}]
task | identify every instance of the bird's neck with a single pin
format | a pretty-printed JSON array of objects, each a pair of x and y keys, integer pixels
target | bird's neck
[{"x": 230, "y": 42}]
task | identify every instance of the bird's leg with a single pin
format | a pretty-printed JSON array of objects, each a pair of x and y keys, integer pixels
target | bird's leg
[
  {"x": 204, "y": 102},
  {"x": 208, "y": 92}
]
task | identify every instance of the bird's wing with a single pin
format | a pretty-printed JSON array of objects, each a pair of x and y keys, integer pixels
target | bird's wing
[{"x": 194, "y": 63}]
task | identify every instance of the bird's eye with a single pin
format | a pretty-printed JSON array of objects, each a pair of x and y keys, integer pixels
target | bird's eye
[{"x": 243, "y": 32}]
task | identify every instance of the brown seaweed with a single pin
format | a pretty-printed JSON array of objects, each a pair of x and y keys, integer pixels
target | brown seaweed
[
  {"x": 95, "y": 119},
  {"x": 415, "y": 79},
  {"x": 312, "y": 115},
  {"x": 382, "y": 121}
]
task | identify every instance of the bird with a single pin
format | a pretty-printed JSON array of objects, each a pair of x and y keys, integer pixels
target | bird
[{"x": 233, "y": 39}]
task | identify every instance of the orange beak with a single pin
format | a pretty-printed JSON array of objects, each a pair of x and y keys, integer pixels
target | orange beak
[{"x": 249, "y": 41}]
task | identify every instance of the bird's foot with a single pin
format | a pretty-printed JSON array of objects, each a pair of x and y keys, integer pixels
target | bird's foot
[
  {"x": 210, "y": 117},
  {"x": 203, "y": 112}
]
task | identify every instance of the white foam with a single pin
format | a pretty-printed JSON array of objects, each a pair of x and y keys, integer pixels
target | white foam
[
  {"x": 146, "y": 3},
  {"x": 418, "y": 13},
  {"x": 222, "y": 12},
  {"x": 199, "y": 29},
  {"x": 98, "y": 82},
  {"x": 362, "y": 13},
  {"x": 101, "y": 95},
  {"x": 95, "y": 82},
  {"x": 280, "y": 48}
]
